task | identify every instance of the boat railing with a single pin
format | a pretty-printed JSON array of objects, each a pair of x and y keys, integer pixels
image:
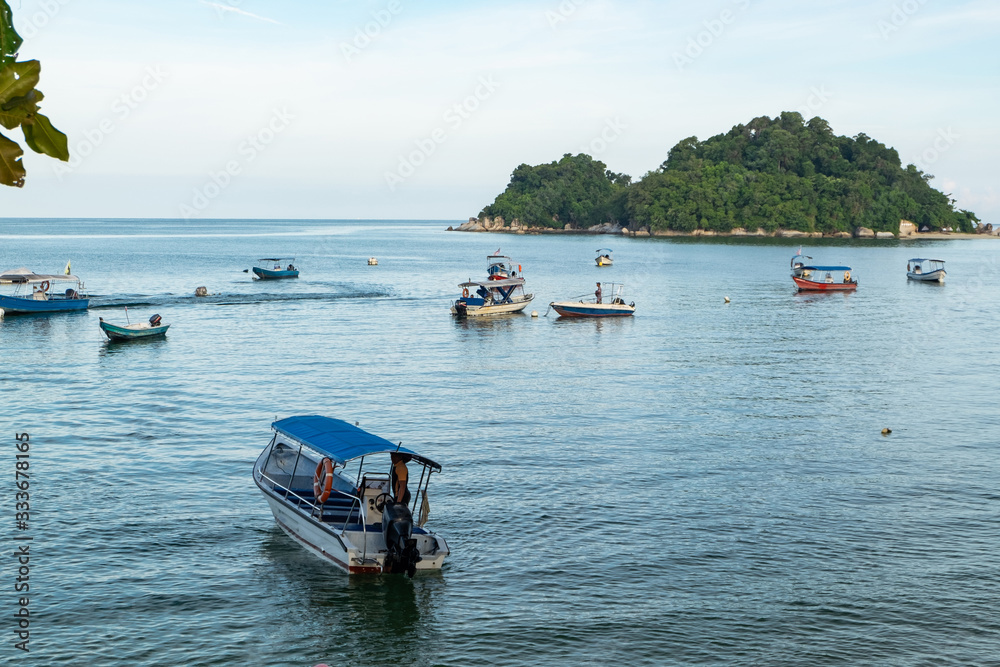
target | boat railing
[{"x": 318, "y": 509}]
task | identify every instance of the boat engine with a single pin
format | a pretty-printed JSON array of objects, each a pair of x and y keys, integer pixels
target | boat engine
[
  {"x": 397, "y": 528},
  {"x": 155, "y": 320}
]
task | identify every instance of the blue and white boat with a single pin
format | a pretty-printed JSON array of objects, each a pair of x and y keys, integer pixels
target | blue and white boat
[
  {"x": 40, "y": 293},
  {"x": 926, "y": 270},
  {"x": 600, "y": 306},
  {"x": 273, "y": 268},
  {"x": 359, "y": 520}
]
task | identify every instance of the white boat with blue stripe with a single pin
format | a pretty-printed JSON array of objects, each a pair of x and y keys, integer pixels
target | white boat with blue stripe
[
  {"x": 600, "y": 306},
  {"x": 926, "y": 270},
  {"x": 362, "y": 520}
]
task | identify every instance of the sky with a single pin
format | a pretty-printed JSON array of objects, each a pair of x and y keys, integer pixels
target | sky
[{"x": 394, "y": 109}]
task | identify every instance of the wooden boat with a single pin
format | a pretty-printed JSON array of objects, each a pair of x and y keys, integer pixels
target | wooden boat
[
  {"x": 149, "y": 329},
  {"x": 821, "y": 279},
  {"x": 926, "y": 270},
  {"x": 354, "y": 521},
  {"x": 273, "y": 268},
  {"x": 604, "y": 257},
  {"x": 614, "y": 306},
  {"x": 35, "y": 293}
]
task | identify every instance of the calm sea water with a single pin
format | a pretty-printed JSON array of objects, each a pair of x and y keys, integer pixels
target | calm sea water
[{"x": 703, "y": 483}]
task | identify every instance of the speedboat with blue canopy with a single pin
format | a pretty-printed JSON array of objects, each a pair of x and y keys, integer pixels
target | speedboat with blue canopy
[
  {"x": 926, "y": 270},
  {"x": 346, "y": 496},
  {"x": 809, "y": 278},
  {"x": 35, "y": 293},
  {"x": 273, "y": 268}
]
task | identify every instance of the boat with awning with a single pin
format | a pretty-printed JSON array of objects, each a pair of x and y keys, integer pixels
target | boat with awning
[
  {"x": 926, "y": 270},
  {"x": 809, "y": 278},
  {"x": 41, "y": 293},
  {"x": 359, "y": 520},
  {"x": 273, "y": 268}
]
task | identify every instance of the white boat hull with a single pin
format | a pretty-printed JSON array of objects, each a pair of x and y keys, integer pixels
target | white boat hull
[
  {"x": 353, "y": 551},
  {"x": 929, "y": 277}
]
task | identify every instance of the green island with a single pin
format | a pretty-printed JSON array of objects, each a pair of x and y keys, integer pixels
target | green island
[{"x": 780, "y": 176}]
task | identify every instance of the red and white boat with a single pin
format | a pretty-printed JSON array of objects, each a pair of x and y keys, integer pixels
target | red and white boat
[{"x": 824, "y": 279}]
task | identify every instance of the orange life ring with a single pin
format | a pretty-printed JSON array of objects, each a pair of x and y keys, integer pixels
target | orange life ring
[
  {"x": 323, "y": 480},
  {"x": 44, "y": 287},
  {"x": 465, "y": 291}
]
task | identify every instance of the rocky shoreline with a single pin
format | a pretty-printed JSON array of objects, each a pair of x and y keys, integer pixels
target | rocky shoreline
[{"x": 907, "y": 231}]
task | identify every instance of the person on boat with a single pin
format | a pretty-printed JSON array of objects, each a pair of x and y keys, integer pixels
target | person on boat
[
  {"x": 290, "y": 268},
  {"x": 829, "y": 278},
  {"x": 597, "y": 292},
  {"x": 399, "y": 477}
]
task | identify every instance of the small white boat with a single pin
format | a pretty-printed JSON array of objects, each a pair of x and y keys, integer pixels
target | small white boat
[
  {"x": 604, "y": 257},
  {"x": 372, "y": 261},
  {"x": 356, "y": 520},
  {"x": 926, "y": 270},
  {"x": 798, "y": 263}
]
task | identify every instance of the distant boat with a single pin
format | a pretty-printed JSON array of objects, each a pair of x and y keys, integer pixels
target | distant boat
[
  {"x": 372, "y": 261},
  {"x": 604, "y": 257},
  {"x": 823, "y": 279},
  {"x": 798, "y": 262},
  {"x": 500, "y": 267},
  {"x": 149, "y": 329},
  {"x": 926, "y": 270},
  {"x": 33, "y": 293},
  {"x": 614, "y": 306},
  {"x": 273, "y": 268}
]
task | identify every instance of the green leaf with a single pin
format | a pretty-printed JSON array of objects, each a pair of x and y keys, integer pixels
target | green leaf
[
  {"x": 20, "y": 109},
  {"x": 11, "y": 169},
  {"x": 41, "y": 137},
  {"x": 10, "y": 41},
  {"x": 18, "y": 79}
]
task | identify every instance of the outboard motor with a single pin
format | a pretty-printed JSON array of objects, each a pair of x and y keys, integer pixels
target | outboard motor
[
  {"x": 397, "y": 528},
  {"x": 155, "y": 320}
]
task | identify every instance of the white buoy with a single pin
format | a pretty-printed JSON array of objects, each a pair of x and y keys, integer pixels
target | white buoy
[
  {"x": 534, "y": 313},
  {"x": 726, "y": 298},
  {"x": 1, "y": 313}
]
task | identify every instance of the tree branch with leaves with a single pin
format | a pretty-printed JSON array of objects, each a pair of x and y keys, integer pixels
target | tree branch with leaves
[{"x": 19, "y": 107}]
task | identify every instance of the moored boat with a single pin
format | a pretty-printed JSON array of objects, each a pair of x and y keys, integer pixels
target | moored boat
[
  {"x": 37, "y": 293},
  {"x": 491, "y": 297},
  {"x": 822, "y": 279},
  {"x": 273, "y": 268},
  {"x": 361, "y": 522},
  {"x": 599, "y": 306},
  {"x": 798, "y": 262},
  {"x": 500, "y": 267},
  {"x": 151, "y": 328},
  {"x": 604, "y": 257},
  {"x": 926, "y": 270}
]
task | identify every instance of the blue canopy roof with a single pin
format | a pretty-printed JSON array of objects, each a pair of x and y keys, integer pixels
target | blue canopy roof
[
  {"x": 826, "y": 268},
  {"x": 341, "y": 441},
  {"x": 924, "y": 259}
]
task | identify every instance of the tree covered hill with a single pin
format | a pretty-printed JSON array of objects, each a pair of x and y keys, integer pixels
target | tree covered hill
[{"x": 781, "y": 173}]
